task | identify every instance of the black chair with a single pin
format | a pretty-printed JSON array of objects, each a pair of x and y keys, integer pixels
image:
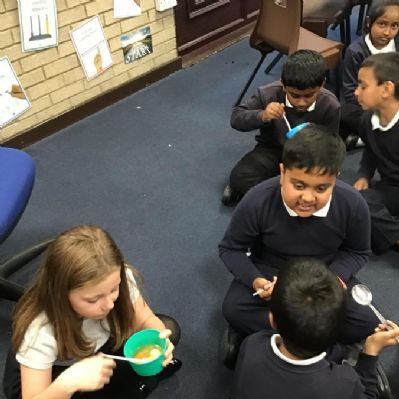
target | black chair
[{"x": 17, "y": 175}]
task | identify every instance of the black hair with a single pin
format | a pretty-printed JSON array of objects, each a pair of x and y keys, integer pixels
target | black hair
[
  {"x": 385, "y": 67},
  {"x": 308, "y": 307},
  {"x": 304, "y": 69},
  {"x": 375, "y": 11},
  {"x": 314, "y": 149}
]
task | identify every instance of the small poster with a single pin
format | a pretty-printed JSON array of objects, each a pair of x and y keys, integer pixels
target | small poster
[
  {"x": 13, "y": 100},
  {"x": 38, "y": 24},
  {"x": 92, "y": 47},
  {"x": 127, "y": 8},
  {"x": 136, "y": 45}
]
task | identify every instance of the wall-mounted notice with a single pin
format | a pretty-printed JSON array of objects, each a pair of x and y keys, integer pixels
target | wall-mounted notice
[
  {"x": 38, "y": 24},
  {"x": 13, "y": 100},
  {"x": 136, "y": 45},
  {"x": 92, "y": 47},
  {"x": 127, "y": 8}
]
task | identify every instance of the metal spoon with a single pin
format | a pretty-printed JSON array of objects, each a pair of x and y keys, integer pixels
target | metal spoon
[{"x": 363, "y": 296}]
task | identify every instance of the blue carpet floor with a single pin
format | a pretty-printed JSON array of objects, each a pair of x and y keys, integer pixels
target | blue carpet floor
[{"x": 150, "y": 169}]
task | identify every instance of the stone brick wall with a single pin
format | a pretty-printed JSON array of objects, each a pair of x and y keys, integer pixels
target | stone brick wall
[{"x": 54, "y": 79}]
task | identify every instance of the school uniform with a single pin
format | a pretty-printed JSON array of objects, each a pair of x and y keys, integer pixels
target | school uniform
[
  {"x": 263, "y": 161},
  {"x": 263, "y": 371},
  {"x": 381, "y": 154},
  {"x": 338, "y": 234},
  {"x": 39, "y": 351},
  {"x": 355, "y": 54}
]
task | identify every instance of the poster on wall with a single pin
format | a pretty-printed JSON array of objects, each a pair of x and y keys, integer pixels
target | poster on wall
[
  {"x": 38, "y": 24},
  {"x": 136, "y": 45},
  {"x": 13, "y": 100},
  {"x": 127, "y": 8},
  {"x": 92, "y": 47}
]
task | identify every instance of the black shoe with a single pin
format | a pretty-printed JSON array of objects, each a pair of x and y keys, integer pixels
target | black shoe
[
  {"x": 230, "y": 197},
  {"x": 171, "y": 368},
  {"x": 383, "y": 384},
  {"x": 351, "y": 141},
  {"x": 230, "y": 346}
]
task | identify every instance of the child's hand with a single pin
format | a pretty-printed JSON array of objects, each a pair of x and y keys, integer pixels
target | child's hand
[
  {"x": 273, "y": 111},
  {"x": 88, "y": 374},
  {"x": 264, "y": 287},
  {"x": 342, "y": 283},
  {"x": 169, "y": 348},
  {"x": 381, "y": 338},
  {"x": 361, "y": 184}
]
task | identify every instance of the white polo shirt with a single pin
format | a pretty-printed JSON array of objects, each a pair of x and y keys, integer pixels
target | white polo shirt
[{"x": 39, "y": 346}]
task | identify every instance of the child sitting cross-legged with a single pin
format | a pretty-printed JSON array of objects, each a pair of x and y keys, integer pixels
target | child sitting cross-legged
[{"x": 307, "y": 309}]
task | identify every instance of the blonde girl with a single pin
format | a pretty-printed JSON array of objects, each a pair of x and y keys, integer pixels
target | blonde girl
[{"x": 84, "y": 301}]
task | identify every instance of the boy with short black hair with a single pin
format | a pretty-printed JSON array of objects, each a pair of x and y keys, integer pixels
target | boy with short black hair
[
  {"x": 378, "y": 94},
  {"x": 307, "y": 309},
  {"x": 305, "y": 211},
  {"x": 299, "y": 97}
]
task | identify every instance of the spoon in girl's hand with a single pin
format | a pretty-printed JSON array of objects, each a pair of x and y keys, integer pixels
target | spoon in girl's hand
[{"x": 133, "y": 359}]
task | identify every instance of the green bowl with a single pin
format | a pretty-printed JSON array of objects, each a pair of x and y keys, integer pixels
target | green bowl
[{"x": 140, "y": 339}]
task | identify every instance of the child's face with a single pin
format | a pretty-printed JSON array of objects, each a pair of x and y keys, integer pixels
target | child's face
[
  {"x": 95, "y": 301},
  {"x": 301, "y": 99},
  {"x": 305, "y": 193},
  {"x": 385, "y": 28},
  {"x": 369, "y": 93}
]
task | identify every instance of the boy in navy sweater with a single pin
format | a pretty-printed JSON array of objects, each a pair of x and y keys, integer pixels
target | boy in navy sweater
[
  {"x": 305, "y": 211},
  {"x": 299, "y": 97},
  {"x": 378, "y": 94},
  {"x": 307, "y": 309}
]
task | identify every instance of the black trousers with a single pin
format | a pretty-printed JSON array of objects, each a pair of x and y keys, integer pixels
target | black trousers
[
  {"x": 254, "y": 167},
  {"x": 350, "y": 120},
  {"x": 248, "y": 314},
  {"x": 383, "y": 202}
]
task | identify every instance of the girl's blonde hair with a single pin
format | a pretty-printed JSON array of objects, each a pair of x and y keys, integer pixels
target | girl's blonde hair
[{"x": 81, "y": 255}]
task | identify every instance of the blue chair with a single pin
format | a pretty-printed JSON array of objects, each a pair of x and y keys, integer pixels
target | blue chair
[{"x": 17, "y": 175}]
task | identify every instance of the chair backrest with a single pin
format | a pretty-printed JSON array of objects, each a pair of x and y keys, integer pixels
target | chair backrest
[
  {"x": 278, "y": 25},
  {"x": 17, "y": 175}
]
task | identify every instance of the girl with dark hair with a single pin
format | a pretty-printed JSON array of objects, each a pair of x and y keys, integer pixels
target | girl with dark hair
[{"x": 381, "y": 29}]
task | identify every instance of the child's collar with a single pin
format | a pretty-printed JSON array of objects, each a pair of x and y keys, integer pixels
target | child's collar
[
  {"x": 390, "y": 47},
  {"x": 309, "y": 109},
  {"x": 376, "y": 122},
  {"x": 274, "y": 340}
]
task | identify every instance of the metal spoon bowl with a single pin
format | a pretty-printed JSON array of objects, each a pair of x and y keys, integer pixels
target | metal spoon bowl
[{"x": 363, "y": 296}]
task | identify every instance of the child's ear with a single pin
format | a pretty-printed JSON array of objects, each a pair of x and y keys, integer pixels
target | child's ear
[
  {"x": 272, "y": 322},
  {"x": 281, "y": 173},
  {"x": 389, "y": 88},
  {"x": 367, "y": 24}
]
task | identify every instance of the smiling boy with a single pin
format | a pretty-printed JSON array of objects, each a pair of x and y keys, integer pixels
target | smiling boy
[
  {"x": 305, "y": 211},
  {"x": 299, "y": 97}
]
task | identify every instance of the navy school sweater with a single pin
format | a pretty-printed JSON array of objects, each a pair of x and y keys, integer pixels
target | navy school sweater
[
  {"x": 260, "y": 374},
  {"x": 247, "y": 115},
  {"x": 261, "y": 222}
]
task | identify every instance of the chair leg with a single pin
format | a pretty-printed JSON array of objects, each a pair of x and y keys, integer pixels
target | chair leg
[
  {"x": 360, "y": 19},
  {"x": 348, "y": 38},
  {"x": 10, "y": 291},
  {"x": 17, "y": 261},
  {"x": 251, "y": 78},
  {"x": 275, "y": 60}
]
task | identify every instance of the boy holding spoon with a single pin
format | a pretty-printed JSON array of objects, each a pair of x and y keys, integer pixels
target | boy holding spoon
[
  {"x": 305, "y": 211},
  {"x": 276, "y": 108}
]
